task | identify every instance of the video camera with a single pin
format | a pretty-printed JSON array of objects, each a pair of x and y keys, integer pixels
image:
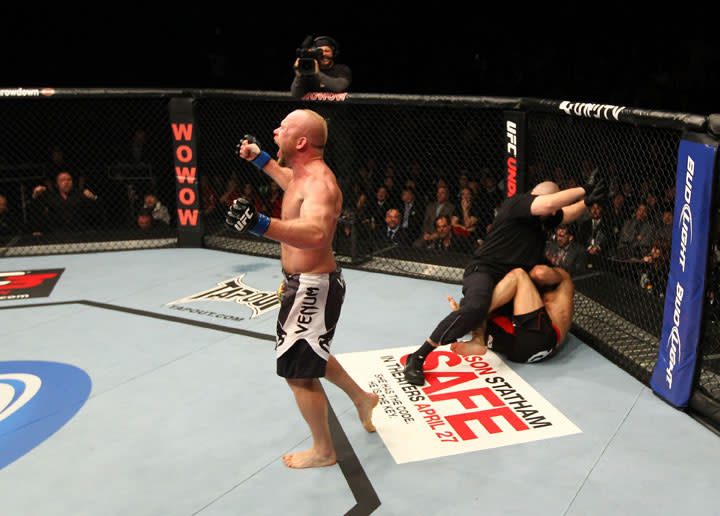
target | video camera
[{"x": 307, "y": 55}]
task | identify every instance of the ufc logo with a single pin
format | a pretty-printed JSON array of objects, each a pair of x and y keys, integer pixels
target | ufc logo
[{"x": 243, "y": 220}]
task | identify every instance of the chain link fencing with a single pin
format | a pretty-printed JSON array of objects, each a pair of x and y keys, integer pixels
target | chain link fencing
[
  {"x": 448, "y": 156},
  {"x": 81, "y": 174}
]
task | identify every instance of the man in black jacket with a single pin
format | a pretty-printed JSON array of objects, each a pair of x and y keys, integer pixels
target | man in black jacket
[
  {"x": 322, "y": 74},
  {"x": 64, "y": 208},
  {"x": 391, "y": 232},
  {"x": 517, "y": 240}
]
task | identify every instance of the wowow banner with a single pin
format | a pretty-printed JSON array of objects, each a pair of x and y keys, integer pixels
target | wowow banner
[
  {"x": 674, "y": 371},
  {"x": 468, "y": 403}
]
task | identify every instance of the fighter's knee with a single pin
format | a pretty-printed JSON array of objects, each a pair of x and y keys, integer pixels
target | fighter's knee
[
  {"x": 542, "y": 273},
  {"x": 539, "y": 272},
  {"x": 519, "y": 274}
]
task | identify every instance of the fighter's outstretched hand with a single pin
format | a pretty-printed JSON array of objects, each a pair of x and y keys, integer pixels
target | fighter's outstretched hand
[
  {"x": 592, "y": 181},
  {"x": 595, "y": 187},
  {"x": 597, "y": 193},
  {"x": 248, "y": 148}
]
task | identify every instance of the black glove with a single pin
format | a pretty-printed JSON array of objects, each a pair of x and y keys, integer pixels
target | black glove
[
  {"x": 597, "y": 194},
  {"x": 262, "y": 157},
  {"x": 250, "y": 139},
  {"x": 242, "y": 217},
  {"x": 592, "y": 181}
]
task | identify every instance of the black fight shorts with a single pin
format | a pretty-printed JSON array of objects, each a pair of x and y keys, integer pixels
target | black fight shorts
[
  {"x": 309, "y": 311},
  {"x": 527, "y": 338}
]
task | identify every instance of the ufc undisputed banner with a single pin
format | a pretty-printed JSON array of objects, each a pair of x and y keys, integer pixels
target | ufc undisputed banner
[
  {"x": 515, "y": 150},
  {"x": 674, "y": 371},
  {"x": 468, "y": 403}
]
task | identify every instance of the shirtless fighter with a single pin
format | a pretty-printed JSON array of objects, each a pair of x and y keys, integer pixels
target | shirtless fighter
[
  {"x": 313, "y": 289},
  {"x": 530, "y": 316}
]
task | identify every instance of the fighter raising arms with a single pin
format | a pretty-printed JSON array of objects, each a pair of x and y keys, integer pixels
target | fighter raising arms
[{"x": 314, "y": 289}]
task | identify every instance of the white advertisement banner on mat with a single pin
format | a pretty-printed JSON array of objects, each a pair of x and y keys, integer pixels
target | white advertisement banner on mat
[{"x": 468, "y": 403}]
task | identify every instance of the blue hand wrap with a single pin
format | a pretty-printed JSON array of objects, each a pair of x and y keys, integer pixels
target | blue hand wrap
[
  {"x": 261, "y": 225},
  {"x": 261, "y": 160}
]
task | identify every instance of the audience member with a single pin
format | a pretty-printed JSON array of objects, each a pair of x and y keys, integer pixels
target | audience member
[
  {"x": 149, "y": 225},
  {"x": 447, "y": 240},
  {"x": 391, "y": 232},
  {"x": 563, "y": 251},
  {"x": 145, "y": 220},
  {"x": 594, "y": 235},
  {"x": 441, "y": 206},
  {"x": 656, "y": 267},
  {"x": 63, "y": 208},
  {"x": 635, "y": 236},
  {"x": 412, "y": 213},
  {"x": 376, "y": 210},
  {"x": 465, "y": 222},
  {"x": 664, "y": 228},
  {"x": 157, "y": 209}
]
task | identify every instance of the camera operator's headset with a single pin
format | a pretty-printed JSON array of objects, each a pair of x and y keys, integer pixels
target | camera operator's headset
[{"x": 327, "y": 41}]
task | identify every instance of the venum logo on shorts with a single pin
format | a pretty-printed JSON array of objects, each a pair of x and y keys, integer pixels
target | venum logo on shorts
[
  {"x": 36, "y": 400},
  {"x": 235, "y": 291},
  {"x": 27, "y": 284}
]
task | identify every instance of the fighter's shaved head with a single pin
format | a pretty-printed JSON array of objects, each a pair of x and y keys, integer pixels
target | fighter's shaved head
[
  {"x": 310, "y": 124},
  {"x": 546, "y": 187}
]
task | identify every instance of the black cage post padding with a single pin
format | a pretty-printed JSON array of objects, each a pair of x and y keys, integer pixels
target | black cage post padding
[{"x": 189, "y": 219}]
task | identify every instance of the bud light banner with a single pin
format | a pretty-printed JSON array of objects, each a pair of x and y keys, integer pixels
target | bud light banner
[{"x": 674, "y": 372}]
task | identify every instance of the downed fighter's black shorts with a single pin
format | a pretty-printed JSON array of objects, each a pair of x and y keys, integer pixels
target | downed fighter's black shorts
[{"x": 528, "y": 337}]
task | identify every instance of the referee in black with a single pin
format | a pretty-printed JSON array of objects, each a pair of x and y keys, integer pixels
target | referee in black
[{"x": 517, "y": 239}]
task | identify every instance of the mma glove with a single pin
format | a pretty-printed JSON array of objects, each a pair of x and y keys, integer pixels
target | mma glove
[
  {"x": 597, "y": 193},
  {"x": 243, "y": 217},
  {"x": 260, "y": 156},
  {"x": 592, "y": 181}
]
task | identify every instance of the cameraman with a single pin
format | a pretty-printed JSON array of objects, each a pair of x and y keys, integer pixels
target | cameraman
[{"x": 316, "y": 69}]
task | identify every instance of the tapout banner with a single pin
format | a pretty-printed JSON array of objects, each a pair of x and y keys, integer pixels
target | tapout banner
[{"x": 674, "y": 373}]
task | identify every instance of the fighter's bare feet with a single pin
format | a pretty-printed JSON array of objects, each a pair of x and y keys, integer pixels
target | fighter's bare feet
[
  {"x": 365, "y": 409},
  {"x": 468, "y": 348},
  {"x": 309, "y": 458}
]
